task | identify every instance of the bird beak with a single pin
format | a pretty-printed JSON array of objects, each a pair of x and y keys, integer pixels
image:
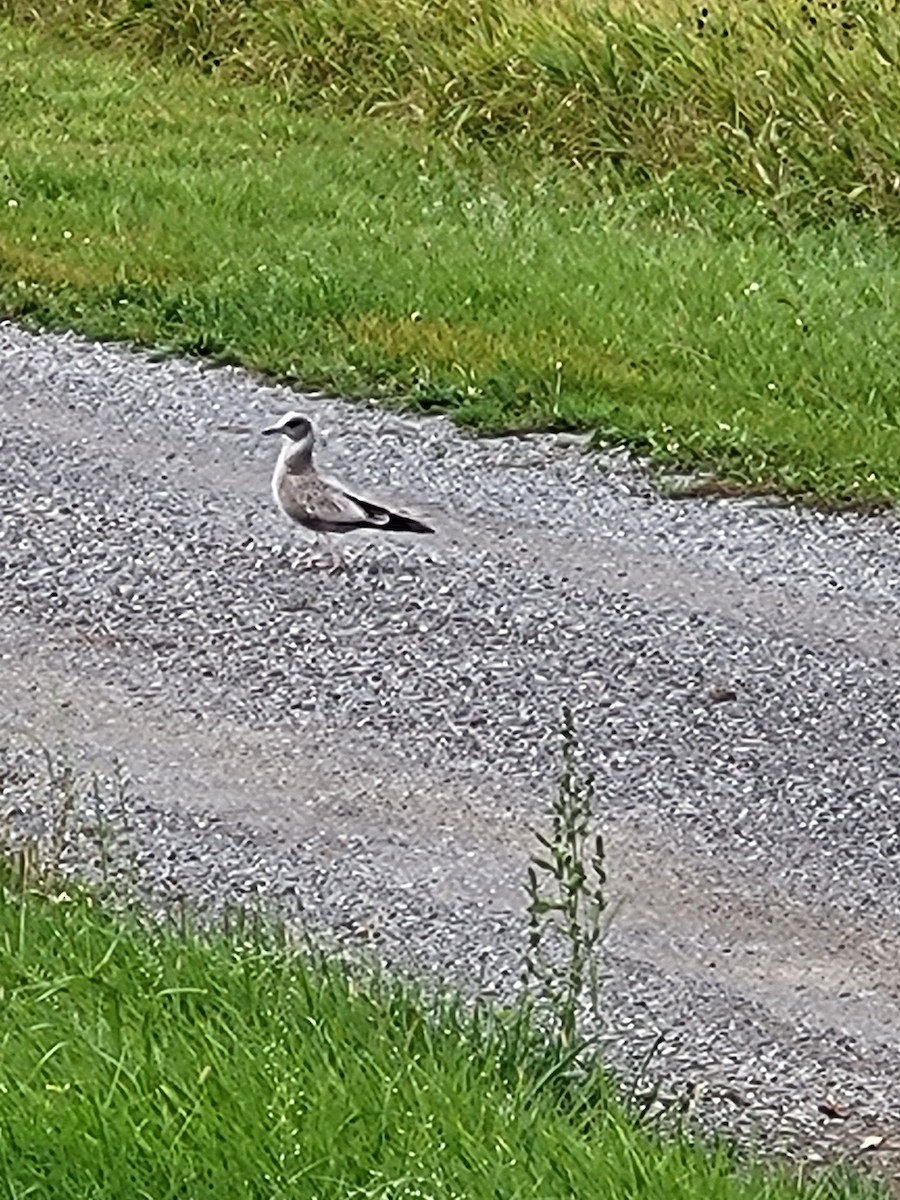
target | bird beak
[{"x": 272, "y": 429}]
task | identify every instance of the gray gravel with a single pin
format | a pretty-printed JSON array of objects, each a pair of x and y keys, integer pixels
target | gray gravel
[{"x": 372, "y": 751}]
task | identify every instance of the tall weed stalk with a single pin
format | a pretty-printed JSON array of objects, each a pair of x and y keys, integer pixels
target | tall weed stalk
[{"x": 566, "y": 899}]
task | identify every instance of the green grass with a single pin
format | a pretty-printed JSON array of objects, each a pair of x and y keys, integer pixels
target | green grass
[
  {"x": 795, "y": 101},
  {"x": 146, "y": 1062},
  {"x": 159, "y": 204}
]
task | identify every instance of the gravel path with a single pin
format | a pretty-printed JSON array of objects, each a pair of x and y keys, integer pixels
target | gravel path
[{"x": 374, "y": 750}]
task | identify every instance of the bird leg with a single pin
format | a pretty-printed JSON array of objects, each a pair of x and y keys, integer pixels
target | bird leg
[
  {"x": 311, "y": 560},
  {"x": 338, "y": 562},
  {"x": 314, "y": 561}
]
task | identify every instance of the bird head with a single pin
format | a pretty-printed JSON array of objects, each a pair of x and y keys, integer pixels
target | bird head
[{"x": 295, "y": 427}]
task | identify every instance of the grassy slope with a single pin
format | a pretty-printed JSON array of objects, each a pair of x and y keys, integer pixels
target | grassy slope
[
  {"x": 136, "y": 1064},
  {"x": 794, "y": 101},
  {"x": 157, "y": 204}
]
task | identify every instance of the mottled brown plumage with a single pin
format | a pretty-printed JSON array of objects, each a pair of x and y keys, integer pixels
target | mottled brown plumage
[{"x": 317, "y": 504}]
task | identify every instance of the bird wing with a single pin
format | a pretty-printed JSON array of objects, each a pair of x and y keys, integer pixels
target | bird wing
[
  {"x": 375, "y": 514},
  {"x": 314, "y": 502},
  {"x": 380, "y": 517}
]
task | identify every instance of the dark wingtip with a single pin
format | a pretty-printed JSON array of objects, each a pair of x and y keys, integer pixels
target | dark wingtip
[
  {"x": 384, "y": 518},
  {"x": 407, "y": 525}
]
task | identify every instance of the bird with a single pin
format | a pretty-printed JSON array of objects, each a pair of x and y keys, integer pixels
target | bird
[{"x": 318, "y": 504}]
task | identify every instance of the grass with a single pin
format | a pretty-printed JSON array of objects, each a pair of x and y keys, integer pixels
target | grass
[
  {"x": 151, "y": 1061},
  {"x": 707, "y": 329},
  {"x": 795, "y": 101}
]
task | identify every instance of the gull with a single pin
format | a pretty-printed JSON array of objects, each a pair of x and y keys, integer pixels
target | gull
[{"x": 318, "y": 504}]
